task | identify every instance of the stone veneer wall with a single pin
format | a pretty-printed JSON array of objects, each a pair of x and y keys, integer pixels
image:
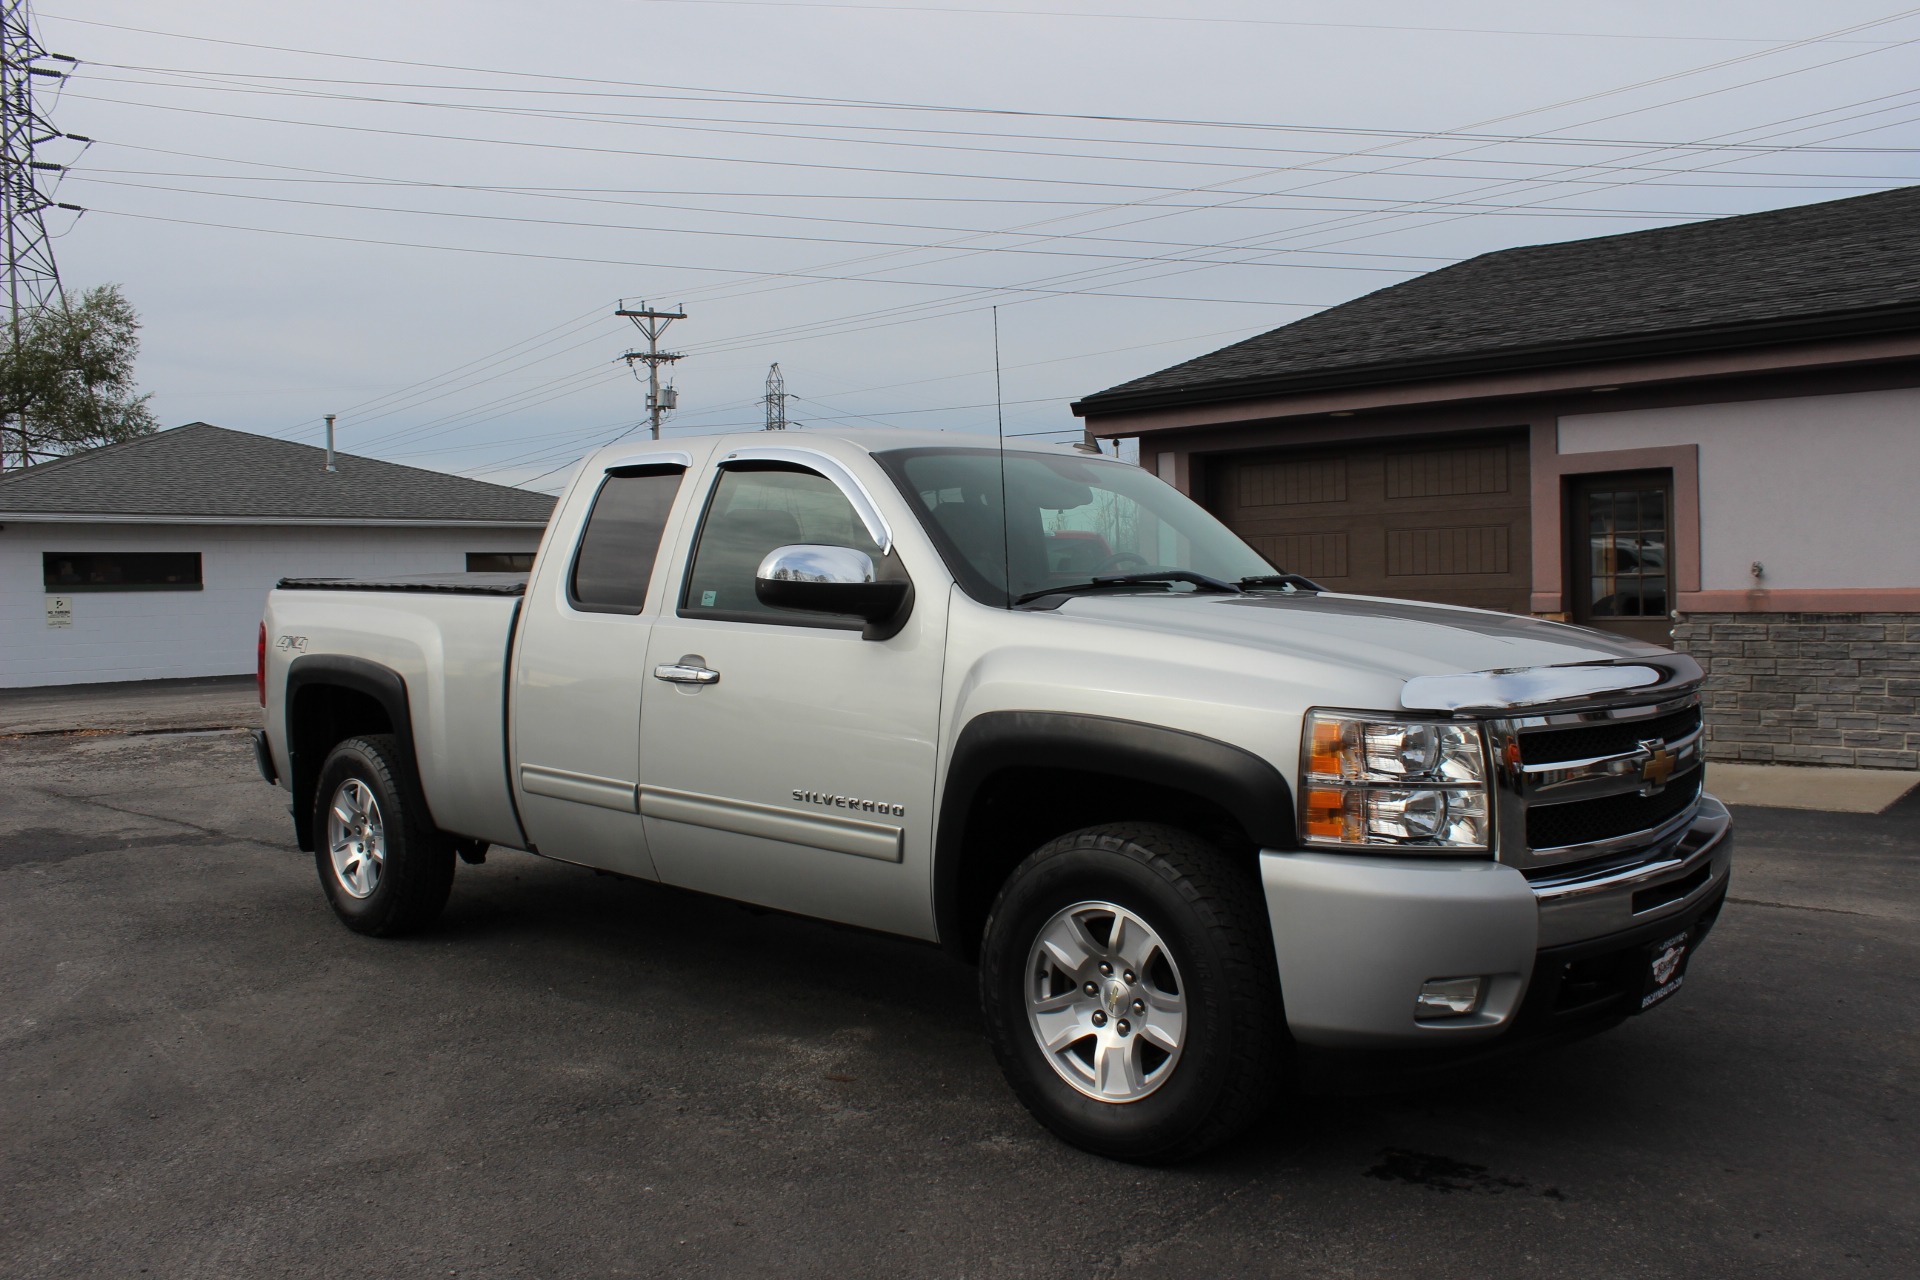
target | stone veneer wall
[{"x": 1809, "y": 688}]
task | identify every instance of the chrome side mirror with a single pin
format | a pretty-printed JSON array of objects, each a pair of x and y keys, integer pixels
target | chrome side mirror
[{"x": 823, "y": 579}]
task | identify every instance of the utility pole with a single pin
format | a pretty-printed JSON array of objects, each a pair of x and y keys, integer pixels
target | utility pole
[
  {"x": 776, "y": 400},
  {"x": 652, "y": 324},
  {"x": 32, "y": 278}
]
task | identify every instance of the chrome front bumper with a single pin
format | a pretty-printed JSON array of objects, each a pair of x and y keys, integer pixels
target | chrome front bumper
[{"x": 1356, "y": 936}]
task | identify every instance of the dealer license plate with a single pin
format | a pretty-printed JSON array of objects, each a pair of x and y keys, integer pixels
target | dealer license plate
[{"x": 1666, "y": 967}]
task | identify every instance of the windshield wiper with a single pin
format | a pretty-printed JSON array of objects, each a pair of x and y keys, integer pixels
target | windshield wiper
[
  {"x": 1199, "y": 581},
  {"x": 1284, "y": 581}
]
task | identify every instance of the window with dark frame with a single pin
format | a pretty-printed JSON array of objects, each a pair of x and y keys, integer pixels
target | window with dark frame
[
  {"x": 1622, "y": 552},
  {"x": 614, "y": 566},
  {"x": 70, "y": 571},
  {"x": 499, "y": 562}
]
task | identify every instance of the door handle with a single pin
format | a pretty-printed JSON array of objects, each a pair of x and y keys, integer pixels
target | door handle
[{"x": 689, "y": 670}]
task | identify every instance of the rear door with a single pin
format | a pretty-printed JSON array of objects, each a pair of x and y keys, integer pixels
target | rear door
[{"x": 580, "y": 673}]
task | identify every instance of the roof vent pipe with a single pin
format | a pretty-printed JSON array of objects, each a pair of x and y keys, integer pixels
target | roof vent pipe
[{"x": 330, "y": 418}]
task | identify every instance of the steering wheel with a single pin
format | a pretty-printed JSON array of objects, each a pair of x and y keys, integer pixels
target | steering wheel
[{"x": 1119, "y": 560}]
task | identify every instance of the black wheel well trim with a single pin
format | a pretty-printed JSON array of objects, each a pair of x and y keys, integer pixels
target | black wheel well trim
[
  {"x": 383, "y": 684},
  {"x": 1244, "y": 785}
]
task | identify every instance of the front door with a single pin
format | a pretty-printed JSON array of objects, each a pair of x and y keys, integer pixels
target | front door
[
  {"x": 784, "y": 760},
  {"x": 1621, "y": 553}
]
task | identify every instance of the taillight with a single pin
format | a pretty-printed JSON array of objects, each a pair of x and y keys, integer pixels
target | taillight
[{"x": 260, "y": 668}]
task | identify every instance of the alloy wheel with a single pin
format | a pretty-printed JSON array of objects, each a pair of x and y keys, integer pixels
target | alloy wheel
[
  {"x": 1105, "y": 1002},
  {"x": 356, "y": 838}
]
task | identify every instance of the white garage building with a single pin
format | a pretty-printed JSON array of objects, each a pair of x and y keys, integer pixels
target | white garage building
[{"x": 151, "y": 559}]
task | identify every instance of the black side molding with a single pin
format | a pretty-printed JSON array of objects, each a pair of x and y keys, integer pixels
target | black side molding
[{"x": 1243, "y": 784}]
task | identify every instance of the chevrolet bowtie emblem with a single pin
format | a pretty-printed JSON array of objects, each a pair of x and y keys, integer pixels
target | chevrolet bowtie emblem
[{"x": 1657, "y": 768}]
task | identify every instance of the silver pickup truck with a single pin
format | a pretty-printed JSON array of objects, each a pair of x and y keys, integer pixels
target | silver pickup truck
[{"x": 1192, "y": 816}]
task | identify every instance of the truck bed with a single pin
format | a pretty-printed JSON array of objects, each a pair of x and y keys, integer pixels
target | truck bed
[{"x": 447, "y": 637}]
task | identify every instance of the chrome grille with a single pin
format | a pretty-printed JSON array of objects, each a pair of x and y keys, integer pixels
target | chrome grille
[
  {"x": 1550, "y": 746},
  {"x": 1596, "y": 783},
  {"x": 1555, "y": 826}
]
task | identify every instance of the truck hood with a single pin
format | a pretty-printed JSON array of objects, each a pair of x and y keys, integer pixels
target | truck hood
[{"x": 1398, "y": 639}]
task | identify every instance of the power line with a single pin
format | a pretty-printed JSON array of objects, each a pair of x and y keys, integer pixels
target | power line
[
  {"x": 897, "y": 10},
  {"x": 621, "y": 262},
  {"x": 867, "y": 103},
  {"x": 1441, "y": 204},
  {"x": 249, "y": 83}
]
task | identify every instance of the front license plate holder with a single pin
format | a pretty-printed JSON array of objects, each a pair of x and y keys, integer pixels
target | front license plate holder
[{"x": 1663, "y": 966}]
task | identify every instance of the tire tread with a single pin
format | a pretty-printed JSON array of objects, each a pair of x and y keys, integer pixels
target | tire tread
[
  {"x": 421, "y": 877},
  {"x": 1226, "y": 896}
]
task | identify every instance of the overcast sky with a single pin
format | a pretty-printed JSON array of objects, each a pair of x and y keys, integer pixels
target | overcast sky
[{"x": 421, "y": 216}]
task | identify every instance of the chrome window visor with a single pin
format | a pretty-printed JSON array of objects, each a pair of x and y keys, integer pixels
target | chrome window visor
[
  {"x": 849, "y": 484},
  {"x": 1515, "y": 688},
  {"x": 648, "y": 458}
]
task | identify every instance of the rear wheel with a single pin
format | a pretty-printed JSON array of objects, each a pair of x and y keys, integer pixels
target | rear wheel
[
  {"x": 385, "y": 868},
  {"x": 1128, "y": 980}
]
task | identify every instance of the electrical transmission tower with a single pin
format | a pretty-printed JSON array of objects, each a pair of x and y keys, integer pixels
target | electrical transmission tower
[
  {"x": 776, "y": 400},
  {"x": 652, "y": 324},
  {"x": 33, "y": 281}
]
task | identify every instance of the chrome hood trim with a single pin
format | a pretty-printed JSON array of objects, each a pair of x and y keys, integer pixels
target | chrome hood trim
[{"x": 1519, "y": 688}]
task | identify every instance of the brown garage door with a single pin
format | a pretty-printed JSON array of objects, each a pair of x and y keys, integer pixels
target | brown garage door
[{"x": 1419, "y": 520}]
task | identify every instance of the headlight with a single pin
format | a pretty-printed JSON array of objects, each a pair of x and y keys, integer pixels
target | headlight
[{"x": 1408, "y": 784}]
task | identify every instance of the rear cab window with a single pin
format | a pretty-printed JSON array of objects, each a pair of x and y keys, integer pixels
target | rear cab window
[{"x": 614, "y": 564}]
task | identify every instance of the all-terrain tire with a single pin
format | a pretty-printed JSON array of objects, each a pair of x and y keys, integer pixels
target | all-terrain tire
[
  {"x": 1207, "y": 912},
  {"x": 398, "y": 882}
]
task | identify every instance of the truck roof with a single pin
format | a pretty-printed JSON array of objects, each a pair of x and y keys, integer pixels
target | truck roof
[{"x": 865, "y": 439}]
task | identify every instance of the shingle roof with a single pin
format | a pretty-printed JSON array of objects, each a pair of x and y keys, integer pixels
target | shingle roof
[
  {"x": 1841, "y": 266},
  {"x": 205, "y": 471}
]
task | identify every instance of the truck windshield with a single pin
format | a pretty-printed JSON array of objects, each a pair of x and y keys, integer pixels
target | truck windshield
[{"x": 1065, "y": 521}]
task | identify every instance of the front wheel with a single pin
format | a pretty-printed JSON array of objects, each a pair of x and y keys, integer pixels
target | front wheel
[
  {"x": 1128, "y": 979},
  {"x": 385, "y": 868}
]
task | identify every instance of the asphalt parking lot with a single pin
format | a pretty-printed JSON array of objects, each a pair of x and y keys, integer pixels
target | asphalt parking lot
[{"x": 578, "y": 1075}]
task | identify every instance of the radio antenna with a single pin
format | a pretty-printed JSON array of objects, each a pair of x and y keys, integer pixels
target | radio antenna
[{"x": 1000, "y": 429}]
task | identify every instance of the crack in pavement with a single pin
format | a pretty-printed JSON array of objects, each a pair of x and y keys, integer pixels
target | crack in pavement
[
  {"x": 1795, "y": 906},
  {"x": 209, "y": 832}
]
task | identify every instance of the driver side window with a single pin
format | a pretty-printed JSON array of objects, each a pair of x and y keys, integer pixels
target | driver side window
[{"x": 754, "y": 509}]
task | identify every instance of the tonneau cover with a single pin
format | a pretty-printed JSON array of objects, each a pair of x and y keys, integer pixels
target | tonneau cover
[{"x": 457, "y": 584}]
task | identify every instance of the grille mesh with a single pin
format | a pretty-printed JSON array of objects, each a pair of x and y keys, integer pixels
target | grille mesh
[
  {"x": 1587, "y": 741},
  {"x": 1553, "y": 826}
]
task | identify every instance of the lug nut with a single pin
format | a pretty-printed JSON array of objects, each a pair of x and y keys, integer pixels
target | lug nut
[
  {"x": 1124, "y": 1026},
  {"x": 1139, "y": 1006},
  {"x": 1092, "y": 990},
  {"x": 1127, "y": 977},
  {"x": 1099, "y": 1018},
  {"x": 1106, "y": 968}
]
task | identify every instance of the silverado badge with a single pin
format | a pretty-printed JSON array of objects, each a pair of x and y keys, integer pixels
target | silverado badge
[{"x": 836, "y": 801}]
